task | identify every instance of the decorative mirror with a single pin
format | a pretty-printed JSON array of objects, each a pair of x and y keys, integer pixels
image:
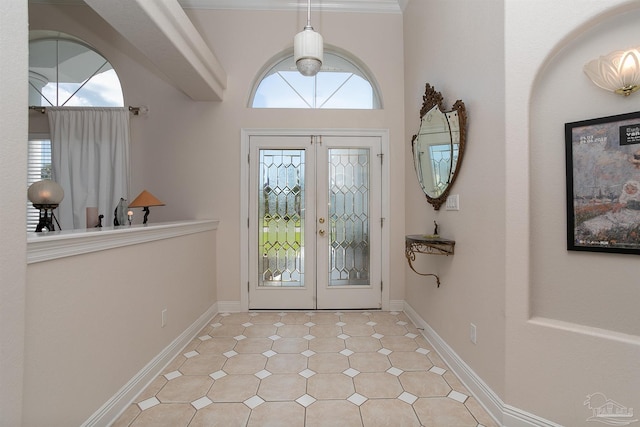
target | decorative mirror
[{"x": 439, "y": 146}]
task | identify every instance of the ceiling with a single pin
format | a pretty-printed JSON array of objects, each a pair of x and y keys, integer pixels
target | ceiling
[{"x": 162, "y": 31}]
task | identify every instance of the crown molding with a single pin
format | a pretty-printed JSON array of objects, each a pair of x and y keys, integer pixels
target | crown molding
[
  {"x": 373, "y": 6},
  {"x": 362, "y": 6}
]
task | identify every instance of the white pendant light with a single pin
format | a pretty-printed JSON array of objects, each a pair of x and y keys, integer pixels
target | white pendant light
[{"x": 307, "y": 48}]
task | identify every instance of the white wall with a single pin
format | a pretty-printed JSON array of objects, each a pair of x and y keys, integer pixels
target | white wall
[
  {"x": 572, "y": 325},
  {"x": 553, "y": 326},
  {"x": 93, "y": 321},
  {"x": 13, "y": 161},
  {"x": 461, "y": 54}
]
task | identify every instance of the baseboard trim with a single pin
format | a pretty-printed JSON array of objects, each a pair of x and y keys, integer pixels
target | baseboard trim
[
  {"x": 120, "y": 401},
  {"x": 505, "y": 415}
]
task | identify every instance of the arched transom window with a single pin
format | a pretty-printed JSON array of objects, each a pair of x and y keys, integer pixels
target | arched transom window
[
  {"x": 340, "y": 84},
  {"x": 64, "y": 71}
]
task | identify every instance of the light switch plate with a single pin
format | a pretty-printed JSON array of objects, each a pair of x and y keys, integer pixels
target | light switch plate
[{"x": 453, "y": 203}]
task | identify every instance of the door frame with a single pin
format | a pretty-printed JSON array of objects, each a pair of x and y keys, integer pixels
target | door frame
[{"x": 246, "y": 134}]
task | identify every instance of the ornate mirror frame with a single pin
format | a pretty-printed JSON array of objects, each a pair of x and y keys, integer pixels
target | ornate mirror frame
[{"x": 433, "y": 104}]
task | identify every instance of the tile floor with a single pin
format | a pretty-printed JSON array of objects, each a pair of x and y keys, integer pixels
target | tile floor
[{"x": 307, "y": 369}]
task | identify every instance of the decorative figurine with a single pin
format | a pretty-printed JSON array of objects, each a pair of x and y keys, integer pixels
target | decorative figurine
[
  {"x": 99, "y": 224},
  {"x": 119, "y": 213},
  {"x": 435, "y": 231}
]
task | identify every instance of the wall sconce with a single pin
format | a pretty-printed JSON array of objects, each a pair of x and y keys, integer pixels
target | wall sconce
[
  {"x": 144, "y": 200},
  {"x": 617, "y": 72},
  {"x": 45, "y": 195}
]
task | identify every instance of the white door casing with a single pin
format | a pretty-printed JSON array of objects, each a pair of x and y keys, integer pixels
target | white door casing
[{"x": 330, "y": 271}]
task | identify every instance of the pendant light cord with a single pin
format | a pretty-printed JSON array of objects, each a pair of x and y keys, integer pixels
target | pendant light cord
[{"x": 308, "y": 26}]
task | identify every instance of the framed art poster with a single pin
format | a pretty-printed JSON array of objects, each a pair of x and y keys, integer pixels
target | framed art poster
[{"x": 603, "y": 184}]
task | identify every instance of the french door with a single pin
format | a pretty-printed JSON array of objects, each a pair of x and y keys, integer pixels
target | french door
[{"x": 315, "y": 222}]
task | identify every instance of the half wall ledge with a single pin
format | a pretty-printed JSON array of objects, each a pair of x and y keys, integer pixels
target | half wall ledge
[{"x": 59, "y": 244}]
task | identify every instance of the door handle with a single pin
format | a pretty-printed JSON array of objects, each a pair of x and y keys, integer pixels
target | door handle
[
  {"x": 321, "y": 232},
  {"x": 321, "y": 220}
]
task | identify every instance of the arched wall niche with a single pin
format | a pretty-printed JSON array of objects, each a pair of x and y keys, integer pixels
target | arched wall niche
[{"x": 592, "y": 289}]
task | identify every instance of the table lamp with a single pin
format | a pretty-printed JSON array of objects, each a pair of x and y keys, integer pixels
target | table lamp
[
  {"x": 45, "y": 195},
  {"x": 144, "y": 200}
]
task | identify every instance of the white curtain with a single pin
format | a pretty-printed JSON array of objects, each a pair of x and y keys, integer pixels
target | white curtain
[{"x": 90, "y": 160}]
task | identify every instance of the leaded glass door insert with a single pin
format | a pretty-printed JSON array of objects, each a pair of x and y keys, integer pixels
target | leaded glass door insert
[
  {"x": 281, "y": 198},
  {"x": 349, "y": 216},
  {"x": 314, "y": 222}
]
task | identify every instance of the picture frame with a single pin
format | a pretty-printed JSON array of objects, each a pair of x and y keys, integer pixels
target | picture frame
[{"x": 603, "y": 184}]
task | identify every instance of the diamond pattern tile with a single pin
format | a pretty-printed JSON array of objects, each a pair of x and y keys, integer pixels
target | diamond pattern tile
[
  {"x": 357, "y": 399},
  {"x": 172, "y": 375},
  {"x": 351, "y": 372},
  {"x": 253, "y": 402},
  {"x": 218, "y": 374},
  {"x": 307, "y": 373},
  {"x": 149, "y": 403},
  {"x": 305, "y": 400},
  {"x": 255, "y": 358},
  {"x": 456, "y": 395},
  {"x": 395, "y": 371},
  {"x": 437, "y": 370},
  {"x": 203, "y": 402},
  {"x": 262, "y": 374},
  {"x": 408, "y": 398},
  {"x": 423, "y": 351}
]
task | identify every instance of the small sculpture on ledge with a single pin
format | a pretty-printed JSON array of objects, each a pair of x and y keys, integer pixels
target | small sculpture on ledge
[{"x": 435, "y": 230}]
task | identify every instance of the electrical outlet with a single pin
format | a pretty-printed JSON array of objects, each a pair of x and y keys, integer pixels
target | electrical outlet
[
  {"x": 472, "y": 333},
  {"x": 164, "y": 317},
  {"x": 453, "y": 203}
]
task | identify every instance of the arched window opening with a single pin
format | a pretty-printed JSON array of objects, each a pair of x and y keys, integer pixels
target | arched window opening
[
  {"x": 64, "y": 71},
  {"x": 340, "y": 84}
]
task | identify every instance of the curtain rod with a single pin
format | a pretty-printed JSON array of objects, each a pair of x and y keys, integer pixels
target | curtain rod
[{"x": 136, "y": 111}]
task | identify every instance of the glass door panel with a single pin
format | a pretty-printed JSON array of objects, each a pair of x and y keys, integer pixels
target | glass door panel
[
  {"x": 349, "y": 216},
  {"x": 281, "y": 197}
]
